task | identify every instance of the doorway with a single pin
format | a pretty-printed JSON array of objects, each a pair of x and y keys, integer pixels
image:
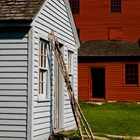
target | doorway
[
  {"x": 58, "y": 98},
  {"x": 97, "y": 83}
]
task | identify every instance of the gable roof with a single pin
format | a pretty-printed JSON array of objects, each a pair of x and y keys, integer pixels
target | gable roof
[
  {"x": 15, "y": 10},
  {"x": 19, "y": 9},
  {"x": 109, "y": 48}
]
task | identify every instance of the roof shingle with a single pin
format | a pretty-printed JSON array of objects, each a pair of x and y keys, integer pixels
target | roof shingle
[
  {"x": 19, "y": 9},
  {"x": 109, "y": 48}
]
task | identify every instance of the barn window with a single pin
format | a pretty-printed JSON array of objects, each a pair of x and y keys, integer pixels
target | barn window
[
  {"x": 44, "y": 49},
  {"x": 115, "y": 6},
  {"x": 74, "y": 6},
  {"x": 131, "y": 73},
  {"x": 115, "y": 34}
]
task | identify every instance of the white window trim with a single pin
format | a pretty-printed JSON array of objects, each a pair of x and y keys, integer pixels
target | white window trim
[{"x": 46, "y": 95}]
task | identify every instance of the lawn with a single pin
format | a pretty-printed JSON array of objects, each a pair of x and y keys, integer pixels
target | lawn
[{"x": 113, "y": 118}]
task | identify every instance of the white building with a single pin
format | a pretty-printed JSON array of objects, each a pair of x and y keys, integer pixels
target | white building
[{"x": 34, "y": 101}]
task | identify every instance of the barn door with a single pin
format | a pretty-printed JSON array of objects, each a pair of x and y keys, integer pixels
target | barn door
[{"x": 97, "y": 83}]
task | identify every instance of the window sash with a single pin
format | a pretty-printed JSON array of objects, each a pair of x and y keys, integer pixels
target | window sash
[
  {"x": 115, "y": 6},
  {"x": 131, "y": 74},
  {"x": 44, "y": 57},
  {"x": 42, "y": 54},
  {"x": 43, "y": 81},
  {"x": 70, "y": 62}
]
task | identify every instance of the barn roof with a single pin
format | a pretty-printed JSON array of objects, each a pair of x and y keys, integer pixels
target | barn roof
[
  {"x": 19, "y": 9},
  {"x": 109, "y": 48}
]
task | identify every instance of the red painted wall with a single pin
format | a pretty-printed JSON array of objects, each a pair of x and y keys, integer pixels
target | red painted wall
[
  {"x": 116, "y": 90},
  {"x": 95, "y": 19}
]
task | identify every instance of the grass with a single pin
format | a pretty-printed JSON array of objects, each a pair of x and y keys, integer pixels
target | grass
[
  {"x": 113, "y": 118},
  {"x": 71, "y": 135}
]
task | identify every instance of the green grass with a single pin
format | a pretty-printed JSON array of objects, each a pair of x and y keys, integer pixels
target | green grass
[
  {"x": 113, "y": 118},
  {"x": 71, "y": 135}
]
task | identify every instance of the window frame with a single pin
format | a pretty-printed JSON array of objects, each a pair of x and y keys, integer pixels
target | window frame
[
  {"x": 71, "y": 63},
  {"x": 124, "y": 75},
  {"x": 113, "y": 7},
  {"x": 75, "y": 8},
  {"x": 44, "y": 67}
]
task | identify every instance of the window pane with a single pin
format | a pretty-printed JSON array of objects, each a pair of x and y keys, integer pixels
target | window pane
[
  {"x": 126, "y": 71},
  {"x": 136, "y": 71},
  {"x": 127, "y": 82},
  {"x": 40, "y": 91},
  {"x": 135, "y": 77},
  {"x": 41, "y": 81},
  {"x": 126, "y": 66},
  {"x": 45, "y": 51},
  {"x": 41, "y": 48},
  {"x": 135, "y": 66},
  {"x": 69, "y": 62},
  {"x": 131, "y": 73},
  {"x": 115, "y": 5},
  {"x": 127, "y": 77}
]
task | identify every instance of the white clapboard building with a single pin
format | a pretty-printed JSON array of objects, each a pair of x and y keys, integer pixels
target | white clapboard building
[{"x": 34, "y": 101}]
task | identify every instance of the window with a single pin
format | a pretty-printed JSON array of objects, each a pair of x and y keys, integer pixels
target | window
[
  {"x": 131, "y": 73},
  {"x": 69, "y": 62},
  {"x": 74, "y": 6},
  {"x": 44, "y": 51},
  {"x": 70, "y": 66},
  {"x": 115, "y": 6}
]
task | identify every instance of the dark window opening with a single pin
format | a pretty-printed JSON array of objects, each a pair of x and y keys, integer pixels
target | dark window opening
[
  {"x": 74, "y": 4},
  {"x": 78, "y": 32},
  {"x": 131, "y": 73},
  {"x": 115, "y": 6}
]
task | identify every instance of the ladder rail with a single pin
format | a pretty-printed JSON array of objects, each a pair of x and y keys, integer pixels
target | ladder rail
[{"x": 78, "y": 115}]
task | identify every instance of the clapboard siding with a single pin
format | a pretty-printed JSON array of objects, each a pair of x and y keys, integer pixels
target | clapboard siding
[
  {"x": 115, "y": 89},
  {"x": 13, "y": 134},
  {"x": 95, "y": 19},
  {"x": 13, "y": 81},
  {"x": 12, "y": 139},
  {"x": 13, "y": 86},
  {"x": 52, "y": 16},
  {"x": 14, "y": 69}
]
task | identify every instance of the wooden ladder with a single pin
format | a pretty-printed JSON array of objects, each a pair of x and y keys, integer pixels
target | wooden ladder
[{"x": 83, "y": 126}]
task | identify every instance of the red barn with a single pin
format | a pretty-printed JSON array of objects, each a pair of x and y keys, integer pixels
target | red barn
[{"x": 109, "y": 57}]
